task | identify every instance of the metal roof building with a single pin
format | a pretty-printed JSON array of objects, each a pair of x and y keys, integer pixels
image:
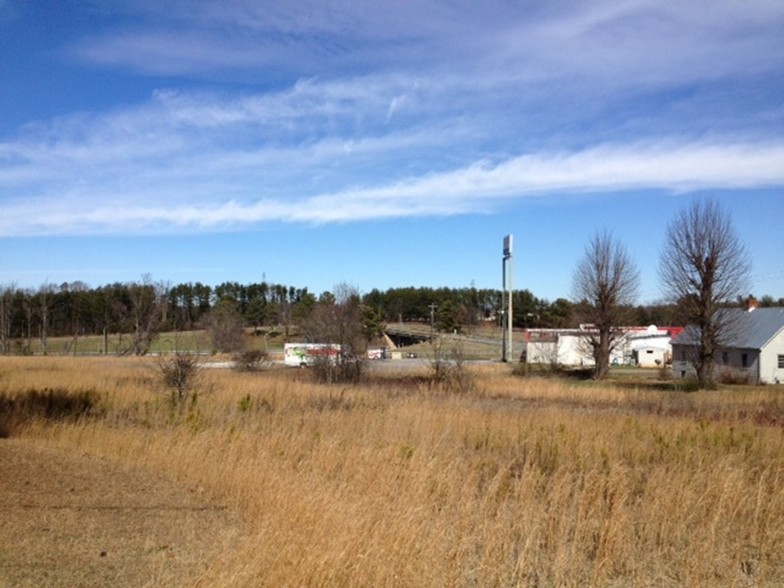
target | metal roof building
[{"x": 753, "y": 345}]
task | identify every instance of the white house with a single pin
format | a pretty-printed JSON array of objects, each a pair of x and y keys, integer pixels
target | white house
[
  {"x": 641, "y": 346},
  {"x": 754, "y": 346},
  {"x": 566, "y": 347}
]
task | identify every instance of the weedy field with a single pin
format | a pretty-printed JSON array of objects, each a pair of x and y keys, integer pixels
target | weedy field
[{"x": 404, "y": 480}]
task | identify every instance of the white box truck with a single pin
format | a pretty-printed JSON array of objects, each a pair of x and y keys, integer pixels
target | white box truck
[{"x": 305, "y": 354}]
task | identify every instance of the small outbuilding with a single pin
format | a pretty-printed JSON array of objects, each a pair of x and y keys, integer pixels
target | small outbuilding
[{"x": 649, "y": 357}]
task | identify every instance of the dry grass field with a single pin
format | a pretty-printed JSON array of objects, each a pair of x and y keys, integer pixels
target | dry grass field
[
  {"x": 400, "y": 482},
  {"x": 75, "y": 519}
]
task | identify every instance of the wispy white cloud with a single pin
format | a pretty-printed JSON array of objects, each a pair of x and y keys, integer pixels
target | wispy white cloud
[
  {"x": 463, "y": 109},
  {"x": 670, "y": 167},
  {"x": 476, "y": 188},
  {"x": 608, "y": 43}
]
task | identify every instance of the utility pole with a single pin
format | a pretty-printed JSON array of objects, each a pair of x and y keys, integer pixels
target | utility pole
[{"x": 506, "y": 329}]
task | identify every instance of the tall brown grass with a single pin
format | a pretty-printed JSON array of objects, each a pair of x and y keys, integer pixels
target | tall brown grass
[{"x": 520, "y": 482}]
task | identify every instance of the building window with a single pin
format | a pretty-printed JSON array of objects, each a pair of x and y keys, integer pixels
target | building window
[
  {"x": 781, "y": 362},
  {"x": 744, "y": 360},
  {"x": 725, "y": 357}
]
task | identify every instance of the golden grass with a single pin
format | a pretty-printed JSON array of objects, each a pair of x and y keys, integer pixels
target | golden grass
[{"x": 522, "y": 482}]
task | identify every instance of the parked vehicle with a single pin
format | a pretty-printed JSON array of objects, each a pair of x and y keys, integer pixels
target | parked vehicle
[{"x": 305, "y": 354}]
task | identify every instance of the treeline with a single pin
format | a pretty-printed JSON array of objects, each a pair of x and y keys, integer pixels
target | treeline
[
  {"x": 145, "y": 308},
  {"x": 455, "y": 308},
  {"x": 139, "y": 309}
]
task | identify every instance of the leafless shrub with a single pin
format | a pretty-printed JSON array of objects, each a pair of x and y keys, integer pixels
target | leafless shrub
[
  {"x": 251, "y": 360},
  {"x": 448, "y": 370},
  {"x": 179, "y": 376},
  {"x": 346, "y": 368},
  {"x": 734, "y": 377}
]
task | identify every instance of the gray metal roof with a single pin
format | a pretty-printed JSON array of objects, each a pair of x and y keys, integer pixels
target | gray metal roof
[{"x": 746, "y": 330}]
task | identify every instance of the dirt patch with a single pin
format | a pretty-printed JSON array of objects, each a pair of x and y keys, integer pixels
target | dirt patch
[{"x": 72, "y": 519}]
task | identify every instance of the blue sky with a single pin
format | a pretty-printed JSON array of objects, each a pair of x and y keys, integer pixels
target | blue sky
[{"x": 381, "y": 144}]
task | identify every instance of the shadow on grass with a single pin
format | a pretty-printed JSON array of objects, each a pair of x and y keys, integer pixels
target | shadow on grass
[
  {"x": 48, "y": 404},
  {"x": 620, "y": 378}
]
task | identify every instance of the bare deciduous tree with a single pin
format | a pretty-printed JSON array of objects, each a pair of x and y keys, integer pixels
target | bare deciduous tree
[
  {"x": 226, "y": 327},
  {"x": 337, "y": 319},
  {"x": 703, "y": 268},
  {"x": 605, "y": 285},
  {"x": 45, "y": 298},
  {"x": 6, "y": 302},
  {"x": 147, "y": 301}
]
